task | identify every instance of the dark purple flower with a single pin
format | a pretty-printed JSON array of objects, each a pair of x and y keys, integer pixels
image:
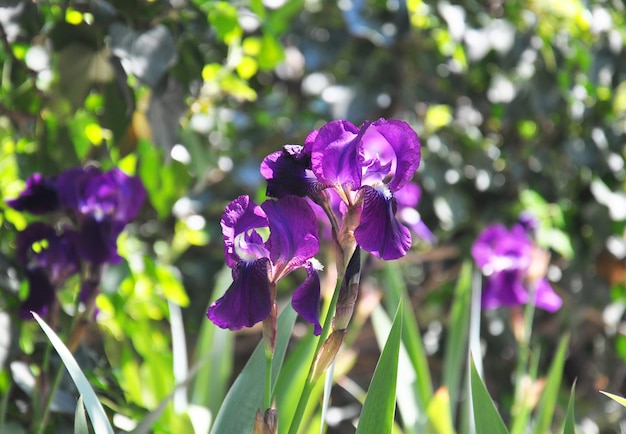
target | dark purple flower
[
  {"x": 505, "y": 256},
  {"x": 372, "y": 163},
  {"x": 262, "y": 244},
  {"x": 365, "y": 166},
  {"x": 49, "y": 259},
  {"x": 39, "y": 196},
  {"x": 102, "y": 204}
]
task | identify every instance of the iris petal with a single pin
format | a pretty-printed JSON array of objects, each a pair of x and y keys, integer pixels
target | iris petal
[
  {"x": 40, "y": 293},
  {"x": 393, "y": 141},
  {"x": 240, "y": 216},
  {"x": 306, "y": 298},
  {"x": 545, "y": 297},
  {"x": 379, "y": 232},
  {"x": 504, "y": 288},
  {"x": 288, "y": 172},
  {"x": 247, "y": 300},
  {"x": 293, "y": 233},
  {"x": 39, "y": 196},
  {"x": 335, "y": 154}
]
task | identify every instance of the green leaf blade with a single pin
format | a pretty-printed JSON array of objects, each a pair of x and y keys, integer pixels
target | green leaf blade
[
  {"x": 96, "y": 413},
  {"x": 486, "y": 416},
  {"x": 380, "y": 404}
]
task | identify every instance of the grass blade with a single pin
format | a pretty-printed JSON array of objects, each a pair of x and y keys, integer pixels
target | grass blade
[
  {"x": 96, "y": 413},
  {"x": 456, "y": 345},
  {"x": 615, "y": 398},
  {"x": 486, "y": 416},
  {"x": 569, "y": 427},
  {"x": 380, "y": 404},
  {"x": 411, "y": 338},
  {"x": 547, "y": 403},
  {"x": 80, "y": 418}
]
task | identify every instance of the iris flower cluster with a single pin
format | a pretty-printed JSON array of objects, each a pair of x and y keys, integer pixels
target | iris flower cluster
[
  {"x": 354, "y": 174},
  {"x": 514, "y": 267},
  {"x": 89, "y": 208}
]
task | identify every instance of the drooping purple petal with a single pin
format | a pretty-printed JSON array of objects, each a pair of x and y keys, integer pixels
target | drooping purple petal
[
  {"x": 335, "y": 154},
  {"x": 97, "y": 242},
  {"x": 389, "y": 148},
  {"x": 504, "y": 288},
  {"x": 247, "y": 300},
  {"x": 41, "y": 293},
  {"x": 545, "y": 297},
  {"x": 39, "y": 245},
  {"x": 306, "y": 298},
  {"x": 240, "y": 216},
  {"x": 379, "y": 232},
  {"x": 289, "y": 172},
  {"x": 39, "y": 196},
  {"x": 293, "y": 233}
]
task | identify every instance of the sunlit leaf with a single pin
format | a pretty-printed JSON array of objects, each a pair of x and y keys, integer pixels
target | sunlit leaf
[
  {"x": 80, "y": 419},
  {"x": 547, "y": 403},
  {"x": 245, "y": 397},
  {"x": 620, "y": 400},
  {"x": 486, "y": 416},
  {"x": 380, "y": 404},
  {"x": 96, "y": 413}
]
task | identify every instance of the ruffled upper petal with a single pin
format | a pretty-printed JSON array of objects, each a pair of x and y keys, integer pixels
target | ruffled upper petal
[
  {"x": 39, "y": 196},
  {"x": 289, "y": 172},
  {"x": 293, "y": 233},
  {"x": 306, "y": 298},
  {"x": 240, "y": 217},
  {"x": 247, "y": 301},
  {"x": 379, "y": 232},
  {"x": 389, "y": 148},
  {"x": 335, "y": 154}
]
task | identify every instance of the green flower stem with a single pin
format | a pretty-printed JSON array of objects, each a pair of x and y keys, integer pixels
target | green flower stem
[
  {"x": 268, "y": 379},
  {"x": 310, "y": 381},
  {"x": 520, "y": 410}
]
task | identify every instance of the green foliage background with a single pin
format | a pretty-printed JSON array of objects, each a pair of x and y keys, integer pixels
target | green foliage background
[{"x": 518, "y": 104}]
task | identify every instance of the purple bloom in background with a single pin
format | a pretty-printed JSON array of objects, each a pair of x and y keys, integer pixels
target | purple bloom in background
[
  {"x": 49, "y": 259},
  {"x": 366, "y": 166},
  {"x": 102, "y": 203},
  {"x": 505, "y": 258},
  {"x": 262, "y": 244},
  {"x": 39, "y": 196},
  {"x": 408, "y": 198}
]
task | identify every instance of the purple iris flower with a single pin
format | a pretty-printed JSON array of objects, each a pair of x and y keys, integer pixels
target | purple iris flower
[
  {"x": 505, "y": 257},
  {"x": 39, "y": 196},
  {"x": 102, "y": 203},
  {"x": 262, "y": 244},
  {"x": 366, "y": 166},
  {"x": 49, "y": 259}
]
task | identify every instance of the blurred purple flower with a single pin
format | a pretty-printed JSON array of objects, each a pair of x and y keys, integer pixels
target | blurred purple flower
[
  {"x": 39, "y": 196},
  {"x": 505, "y": 257},
  {"x": 102, "y": 203},
  {"x": 366, "y": 166},
  {"x": 262, "y": 244},
  {"x": 49, "y": 259}
]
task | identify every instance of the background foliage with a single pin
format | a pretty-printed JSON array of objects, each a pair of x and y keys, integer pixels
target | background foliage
[{"x": 519, "y": 105}]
